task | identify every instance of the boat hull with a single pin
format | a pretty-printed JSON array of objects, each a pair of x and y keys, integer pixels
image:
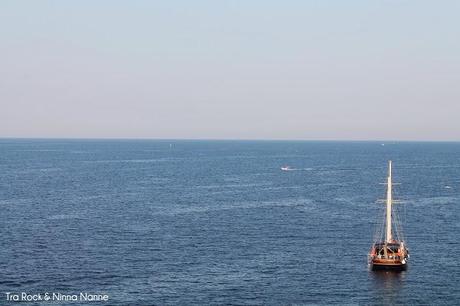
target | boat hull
[{"x": 394, "y": 266}]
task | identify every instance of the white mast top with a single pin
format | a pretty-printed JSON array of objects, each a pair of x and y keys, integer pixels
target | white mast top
[{"x": 389, "y": 202}]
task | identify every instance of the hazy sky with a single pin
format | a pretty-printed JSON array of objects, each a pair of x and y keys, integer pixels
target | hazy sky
[{"x": 230, "y": 69}]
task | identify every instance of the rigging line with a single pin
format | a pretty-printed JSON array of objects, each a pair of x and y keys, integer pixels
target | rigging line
[
  {"x": 401, "y": 225},
  {"x": 403, "y": 237},
  {"x": 397, "y": 222},
  {"x": 379, "y": 226},
  {"x": 398, "y": 236},
  {"x": 398, "y": 226},
  {"x": 382, "y": 225},
  {"x": 405, "y": 214},
  {"x": 377, "y": 222}
]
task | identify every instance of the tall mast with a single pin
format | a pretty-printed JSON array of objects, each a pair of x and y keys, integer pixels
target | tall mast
[{"x": 389, "y": 202}]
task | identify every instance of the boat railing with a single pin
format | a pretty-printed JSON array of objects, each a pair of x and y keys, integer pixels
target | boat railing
[{"x": 391, "y": 257}]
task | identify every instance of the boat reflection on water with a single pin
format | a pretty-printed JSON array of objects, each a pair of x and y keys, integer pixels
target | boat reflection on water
[
  {"x": 387, "y": 286},
  {"x": 388, "y": 279}
]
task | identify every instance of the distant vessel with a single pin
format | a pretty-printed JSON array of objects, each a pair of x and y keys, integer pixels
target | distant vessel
[
  {"x": 390, "y": 253},
  {"x": 286, "y": 168}
]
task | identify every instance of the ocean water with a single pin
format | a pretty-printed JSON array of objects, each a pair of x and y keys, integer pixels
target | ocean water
[{"x": 217, "y": 222}]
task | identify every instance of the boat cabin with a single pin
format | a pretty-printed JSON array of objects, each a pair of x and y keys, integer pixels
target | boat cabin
[{"x": 393, "y": 250}]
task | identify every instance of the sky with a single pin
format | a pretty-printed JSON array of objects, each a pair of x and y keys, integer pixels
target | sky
[{"x": 313, "y": 70}]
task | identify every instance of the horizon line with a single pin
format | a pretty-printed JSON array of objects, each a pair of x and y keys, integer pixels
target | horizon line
[{"x": 224, "y": 139}]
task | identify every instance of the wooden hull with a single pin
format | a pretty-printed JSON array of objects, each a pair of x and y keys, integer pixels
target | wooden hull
[{"x": 388, "y": 265}]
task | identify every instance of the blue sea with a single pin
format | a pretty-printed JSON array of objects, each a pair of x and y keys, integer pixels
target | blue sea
[{"x": 150, "y": 222}]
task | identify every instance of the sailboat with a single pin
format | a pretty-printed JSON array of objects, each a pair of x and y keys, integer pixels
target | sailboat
[{"x": 390, "y": 253}]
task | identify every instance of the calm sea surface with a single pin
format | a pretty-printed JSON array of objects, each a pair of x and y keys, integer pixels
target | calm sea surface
[{"x": 218, "y": 222}]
